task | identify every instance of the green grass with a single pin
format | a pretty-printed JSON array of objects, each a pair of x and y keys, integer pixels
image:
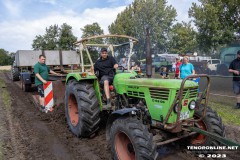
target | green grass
[
  {"x": 229, "y": 114},
  {"x": 6, "y": 98},
  {"x": 5, "y": 94}
]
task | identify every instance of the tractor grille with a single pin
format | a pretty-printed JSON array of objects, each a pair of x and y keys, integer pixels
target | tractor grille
[
  {"x": 159, "y": 93},
  {"x": 192, "y": 92},
  {"x": 136, "y": 94}
]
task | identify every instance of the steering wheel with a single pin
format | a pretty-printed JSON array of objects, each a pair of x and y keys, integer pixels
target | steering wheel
[{"x": 121, "y": 68}]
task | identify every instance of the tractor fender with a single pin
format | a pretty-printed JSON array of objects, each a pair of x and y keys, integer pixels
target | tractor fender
[
  {"x": 26, "y": 77},
  {"x": 118, "y": 114},
  {"x": 78, "y": 77}
]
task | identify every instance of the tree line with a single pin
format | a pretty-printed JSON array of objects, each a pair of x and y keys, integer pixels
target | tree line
[{"x": 6, "y": 58}]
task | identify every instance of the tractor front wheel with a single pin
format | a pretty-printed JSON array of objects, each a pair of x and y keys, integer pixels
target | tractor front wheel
[
  {"x": 131, "y": 140},
  {"x": 81, "y": 108},
  {"x": 210, "y": 123}
]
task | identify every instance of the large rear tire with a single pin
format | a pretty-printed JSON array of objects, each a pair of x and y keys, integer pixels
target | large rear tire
[
  {"x": 81, "y": 108},
  {"x": 210, "y": 123},
  {"x": 131, "y": 140},
  {"x": 15, "y": 74}
]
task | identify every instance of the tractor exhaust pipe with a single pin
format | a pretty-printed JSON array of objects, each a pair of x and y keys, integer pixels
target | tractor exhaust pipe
[{"x": 148, "y": 55}]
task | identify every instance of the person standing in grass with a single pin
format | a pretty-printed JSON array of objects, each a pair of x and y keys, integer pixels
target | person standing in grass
[
  {"x": 186, "y": 68},
  {"x": 177, "y": 68},
  {"x": 234, "y": 68}
]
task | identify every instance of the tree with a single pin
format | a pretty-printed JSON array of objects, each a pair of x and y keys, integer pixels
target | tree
[
  {"x": 39, "y": 43},
  {"x": 183, "y": 38},
  {"x": 66, "y": 37},
  {"x": 5, "y": 58},
  {"x": 52, "y": 37},
  {"x": 217, "y": 22},
  {"x": 140, "y": 14},
  {"x": 90, "y": 30},
  {"x": 55, "y": 38}
]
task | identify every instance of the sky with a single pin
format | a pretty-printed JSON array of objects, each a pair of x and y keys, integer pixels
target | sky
[{"x": 22, "y": 20}]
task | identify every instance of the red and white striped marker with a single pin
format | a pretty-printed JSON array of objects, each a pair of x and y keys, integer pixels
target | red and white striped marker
[{"x": 48, "y": 96}]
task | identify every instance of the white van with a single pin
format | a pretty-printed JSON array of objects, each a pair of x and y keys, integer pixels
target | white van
[{"x": 212, "y": 64}]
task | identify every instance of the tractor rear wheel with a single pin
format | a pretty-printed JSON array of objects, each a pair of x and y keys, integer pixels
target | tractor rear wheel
[
  {"x": 210, "y": 123},
  {"x": 15, "y": 74},
  {"x": 81, "y": 108},
  {"x": 131, "y": 140}
]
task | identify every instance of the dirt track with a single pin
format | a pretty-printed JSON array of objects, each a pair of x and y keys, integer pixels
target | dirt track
[{"x": 26, "y": 133}]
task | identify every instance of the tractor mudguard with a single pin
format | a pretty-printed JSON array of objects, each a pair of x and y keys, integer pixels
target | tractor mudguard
[
  {"x": 26, "y": 77},
  {"x": 80, "y": 77},
  {"x": 117, "y": 114}
]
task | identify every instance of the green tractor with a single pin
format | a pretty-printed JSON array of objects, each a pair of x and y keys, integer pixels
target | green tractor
[{"x": 145, "y": 112}]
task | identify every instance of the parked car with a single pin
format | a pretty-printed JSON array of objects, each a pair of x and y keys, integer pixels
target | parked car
[{"x": 212, "y": 65}]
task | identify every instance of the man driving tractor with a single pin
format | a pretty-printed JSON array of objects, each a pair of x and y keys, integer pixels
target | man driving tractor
[{"x": 106, "y": 66}]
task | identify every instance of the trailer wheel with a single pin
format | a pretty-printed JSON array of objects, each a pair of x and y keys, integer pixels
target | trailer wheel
[
  {"x": 211, "y": 123},
  {"x": 15, "y": 74},
  {"x": 26, "y": 87},
  {"x": 81, "y": 108},
  {"x": 131, "y": 140}
]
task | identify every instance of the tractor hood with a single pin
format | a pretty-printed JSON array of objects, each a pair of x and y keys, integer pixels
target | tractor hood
[
  {"x": 121, "y": 81},
  {"x": 159, "y": 83}
]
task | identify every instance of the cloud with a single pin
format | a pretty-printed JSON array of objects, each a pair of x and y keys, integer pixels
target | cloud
[
  {"x": 182, "y": 7},
  {"x": 53, "y": 2},
  {"x": 13, "y": 8},
  {"x": 117, "y": 2},
  {"x": 19, "y": 34}
]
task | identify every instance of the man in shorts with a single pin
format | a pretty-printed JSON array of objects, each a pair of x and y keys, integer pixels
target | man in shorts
[
  {"x": 234, "y": 68},
  {"x": 41, "y": 71},
  {"x": 106, "y": 66}
]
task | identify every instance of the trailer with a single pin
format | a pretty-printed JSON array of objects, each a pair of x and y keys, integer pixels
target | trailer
[{"x": 58, "y": 60}]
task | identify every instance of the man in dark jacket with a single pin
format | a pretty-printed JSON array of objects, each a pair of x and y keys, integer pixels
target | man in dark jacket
[
  {"x": 106, "y": 66},
  {"x": 234, "y": 68}
]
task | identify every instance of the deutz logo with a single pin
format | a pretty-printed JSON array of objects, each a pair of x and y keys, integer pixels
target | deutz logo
[{"x": 158, "y": 101}]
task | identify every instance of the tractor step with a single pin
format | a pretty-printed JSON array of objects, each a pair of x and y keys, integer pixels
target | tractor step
[{"x": 105, "y": 107}]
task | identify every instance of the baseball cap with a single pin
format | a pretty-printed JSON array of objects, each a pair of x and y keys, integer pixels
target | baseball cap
[{"x": 103, "y": 49}]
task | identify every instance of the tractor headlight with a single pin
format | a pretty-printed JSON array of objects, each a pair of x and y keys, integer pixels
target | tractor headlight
[
  {"x": 192, "y": 105},
  {"x": 176, "y": 108}
]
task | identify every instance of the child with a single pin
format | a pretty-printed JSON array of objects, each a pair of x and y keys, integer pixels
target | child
[
  {"x": 164, "y": 73},
  {"x": 136, "y": 67}
]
